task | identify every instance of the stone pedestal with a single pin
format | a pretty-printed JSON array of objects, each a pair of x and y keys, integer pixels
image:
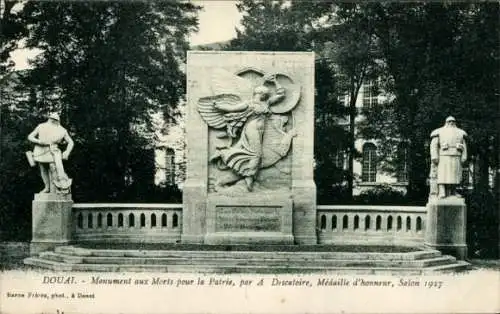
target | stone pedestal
[
  {"x": 446, "y": 226},
  {"x": 51, "y": 221},
  {"x": 281, "y": 206}
]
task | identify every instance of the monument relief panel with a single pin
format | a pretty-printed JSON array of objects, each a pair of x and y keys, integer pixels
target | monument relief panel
[
  {"x": 250, "y": 131},
  {"x": 249, "y": 113}
]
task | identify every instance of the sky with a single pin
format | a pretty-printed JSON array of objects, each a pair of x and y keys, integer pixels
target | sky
[{"x": 217, "y": 22}]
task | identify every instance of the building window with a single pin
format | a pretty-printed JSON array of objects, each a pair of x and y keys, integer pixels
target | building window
[
  {"x": 169, "y": 166},
  {"x": 369, "y": 171},
  {"x": 402, "y": 163},
  {"x": 370, "y": 95}
]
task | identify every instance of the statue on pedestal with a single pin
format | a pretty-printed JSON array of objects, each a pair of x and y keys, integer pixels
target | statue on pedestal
[
  {"x": 448, "y": 151},
  {"x": 47, "y": 137}
]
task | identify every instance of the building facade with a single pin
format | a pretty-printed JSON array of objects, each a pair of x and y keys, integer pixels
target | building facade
[{"x": 367, "y": 169}]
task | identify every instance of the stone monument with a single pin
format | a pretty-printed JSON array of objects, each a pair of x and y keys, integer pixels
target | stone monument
[
  {"x": 446, "y": 210},
  {"x": 250, "y": 130},
  {"x": 51, "y": 209}
]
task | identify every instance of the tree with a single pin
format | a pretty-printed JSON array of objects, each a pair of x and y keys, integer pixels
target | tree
[
  {"x": 108, "y": 66},
  {"x": 353, "y": 49},
  {"x": 291, "y": 26},
  {"x": 15, "y": 177},
  {"x": 11, "y": 31},
  {"x": 434, "y": 70},
  {"x": 269, "y": 26}
]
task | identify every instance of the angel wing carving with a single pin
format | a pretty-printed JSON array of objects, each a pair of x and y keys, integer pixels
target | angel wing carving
[
  {"x": 213, "y": 116},
  {"x": 232, "y": 102},
  {"x": 226, "y": 89}
]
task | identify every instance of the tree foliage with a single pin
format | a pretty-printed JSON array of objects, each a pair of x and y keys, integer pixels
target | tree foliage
[
  {"x": 291, "y": 26},
  {"x": 107, "y": 67},
  {"x": 442, "y": 59},
  {"x": 434, "y": 70},
  {"x": 11, "y": 31}
]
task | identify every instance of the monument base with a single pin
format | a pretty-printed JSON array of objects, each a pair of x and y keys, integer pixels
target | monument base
[
  {"x": 304, "y": 212},
  {"x": 446, "y": 226},
  {"x": 51, "y": 221},
  {"x": 37, "y": 246},
  {"x": 458, "y": 251},
  {"x": 264, "y": 219},
  {"x": 194, "y": 202},
  {"x": 248, "y": 238}
]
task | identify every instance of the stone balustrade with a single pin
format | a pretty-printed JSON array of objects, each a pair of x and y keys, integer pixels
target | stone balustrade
[
  {"x": 371, "y": 225},
  {"x": 336, "y": 224},
  {"x": 127, "y": 223}
]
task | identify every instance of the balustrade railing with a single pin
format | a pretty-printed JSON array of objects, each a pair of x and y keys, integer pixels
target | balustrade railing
[
  {"x": 336, "y": 224},
  {"x": 373, "y": 225},
  {"x": 127, "y": 223}
]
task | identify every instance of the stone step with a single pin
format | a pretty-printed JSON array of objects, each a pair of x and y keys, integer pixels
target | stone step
[
  {"x": 61, "y": 258},
  {"x": 249, "y": 247},
  {"x": 47, "y": 264},
  {"x": 229, "y": 261},
  {"x": 417, "y": 255},
  {"x": 217, "y": 269},
  {"x": 458, "y": 266},
  {"x": 60, "y": 262},
  {"x": 73, "y": 258}
]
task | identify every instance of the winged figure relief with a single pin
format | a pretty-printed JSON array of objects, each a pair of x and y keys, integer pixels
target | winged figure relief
[{"x": 243, "y": 111}]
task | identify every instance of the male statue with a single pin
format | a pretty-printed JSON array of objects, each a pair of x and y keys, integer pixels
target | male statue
[
  {"x": 47, "y": 137},
  {"x": 448, "y": 154}
]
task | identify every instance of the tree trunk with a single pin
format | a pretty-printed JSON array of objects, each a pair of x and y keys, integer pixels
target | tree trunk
[
  {"x": 352, "y": 148},
  {"x": 352, "y": 129},
  {"x": 483, "y": 173}
]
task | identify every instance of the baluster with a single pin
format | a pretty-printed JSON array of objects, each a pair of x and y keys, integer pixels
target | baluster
[
  {"x": 328, "y": 222},
  {"x": 109, "y": 221},
  {"x": 390, "y": 223},
  {"x": 164, "y": 220},
  {"x": 175, "y": 220},
  {"x": 399, "y": 226},
  {"x": 99, "y": 220},
  {"x": 169, "y": 219},
  {"x": 345, "y": 222},
  {"x": 378, "y": 223},
  {"x": 356, "y": 223},
  {"x": 119, "y": 220},
  {"x": 418, "y": 224},
  {"x": 85, "y": 220},
  {"x": 90, "y": 221},
  {"x": 152, "y": 218},
  {"x": 131, "y": 220},
  {"x": 335, "y": 223},
  {"x": 322, "y": 222},
  {"x": 367, "y": 222},
  {"x": 79, "y": 220}
]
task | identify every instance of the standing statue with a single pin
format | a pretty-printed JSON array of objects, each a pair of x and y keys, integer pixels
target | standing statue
[
  {"x": 243, "y": 111},
  {"x": 47, "y": 137},
  {"x": 448, "y": 154}
]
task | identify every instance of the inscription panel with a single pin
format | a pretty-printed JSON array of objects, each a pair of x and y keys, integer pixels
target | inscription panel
[{"x": 247, "y": 218}]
